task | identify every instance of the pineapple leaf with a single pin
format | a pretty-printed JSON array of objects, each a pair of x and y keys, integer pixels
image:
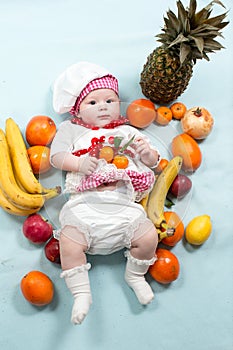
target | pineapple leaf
[
  {"x": 173, "y": 20},
  {"x": 210, "y": 5},
  {"x": 192, "y": 11},
  {"x": 180, "y": 39},
  {"x": 182, "y": 15},
  {"x": 199, "y": 42},
  {"x": 215, "y": 21},
  {"x": 203, "y": 28},
  {"x": 212, "y": 45},
  {"x": 185, "y": 51},
  {"x": 187, "y": 26}
]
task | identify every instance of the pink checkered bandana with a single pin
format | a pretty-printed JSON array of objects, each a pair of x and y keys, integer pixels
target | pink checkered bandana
[
  {"x": 106, "y": 82},
  {"x": 141, "y": 181}
]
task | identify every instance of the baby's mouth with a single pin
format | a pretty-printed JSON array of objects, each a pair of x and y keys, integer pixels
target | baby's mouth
[{"x": 103, "y": 117}]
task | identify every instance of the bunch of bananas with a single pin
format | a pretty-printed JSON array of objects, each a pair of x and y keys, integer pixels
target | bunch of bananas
[
  {"x": 20, "y": 191},
  {"x": 154, "y": 202}
]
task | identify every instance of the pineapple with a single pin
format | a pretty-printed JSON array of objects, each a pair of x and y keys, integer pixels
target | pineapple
[{"x": 185, "y": 38}]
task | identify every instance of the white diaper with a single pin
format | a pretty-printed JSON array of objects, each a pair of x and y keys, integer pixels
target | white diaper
[{"x": 108, "y": 220}]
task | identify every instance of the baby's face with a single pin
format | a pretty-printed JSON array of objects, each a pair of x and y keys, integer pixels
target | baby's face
[{"x": 100, "y": 107}]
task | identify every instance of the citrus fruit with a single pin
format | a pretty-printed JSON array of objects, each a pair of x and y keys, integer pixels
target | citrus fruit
[
  {"x": 161, "y": 166},
  {"x": 185, "y": 146},
  {"x": 106, "y": 153},
  {"x": 40, "y": 130},
  {"x": 39, "y": 158},
  {"x": 173, "y": 220},
  {"x": 163, "y": 116},
  {"x": 178, "y": 110},
  {"x": 166, "y": 268},
  {"x": 120, "y": 161},
  {"x": 198, "y": 229},
  {"x": 141, "y": 113},
  {"x": 37, "y": 288}
]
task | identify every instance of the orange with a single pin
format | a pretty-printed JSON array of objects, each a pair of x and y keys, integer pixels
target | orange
[
  {"x": 178, "y": 110},
  {"x": 106, "y": 153},
  {"x": 166, "y": 268},
  {"x": 40, "y": 130},
  {"x": 163, "y": 116},
  {"x": 39, "y": 159},
  {"x": 173, "y": 220},
  {"x": 120, "y": 161},
  {"x": 37, "y": 288},
  {"x": 185, "y": 146},
  {"x": 161, "y": 166},
  {"x": 141, "y": 113}
]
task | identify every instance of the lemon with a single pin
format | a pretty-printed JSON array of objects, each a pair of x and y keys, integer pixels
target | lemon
[{"x": 198, "y": 229}]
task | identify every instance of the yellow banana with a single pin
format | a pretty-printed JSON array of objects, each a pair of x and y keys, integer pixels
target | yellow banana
[
  {"x": 156, "y": 198},
  {"x": 20, "y": 160},
  {"x": 12, "y": 209},
  {"x": 9, "y": 185}
]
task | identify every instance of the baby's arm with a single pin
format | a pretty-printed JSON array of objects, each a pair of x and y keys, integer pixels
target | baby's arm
[
  {"x": 61, "y": 156},
  {"x": 68, "y": 162}
]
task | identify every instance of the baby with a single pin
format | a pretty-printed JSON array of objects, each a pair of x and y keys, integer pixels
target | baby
[{"x": 102, "y": 215}]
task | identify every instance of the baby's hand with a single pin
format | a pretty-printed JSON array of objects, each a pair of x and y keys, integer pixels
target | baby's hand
[
  {"x": 142, "y": 147},
  {"x": 147, "y": 155},
  {"x": 87, "y": 165}
]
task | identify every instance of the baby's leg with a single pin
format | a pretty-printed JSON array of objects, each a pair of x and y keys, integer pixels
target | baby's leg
[
  {"x": 75, "y": 271},
  {"x": 139, "y": 258}
]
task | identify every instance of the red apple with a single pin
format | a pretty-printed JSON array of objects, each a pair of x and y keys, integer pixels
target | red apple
[
  {"x": 52, "y": 250},
  {"x": 180, "y": 186},
  {"x": 37, "y": 229}
]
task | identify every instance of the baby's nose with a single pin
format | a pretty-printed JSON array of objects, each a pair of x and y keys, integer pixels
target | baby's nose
[{"x": 103, "y": 106}]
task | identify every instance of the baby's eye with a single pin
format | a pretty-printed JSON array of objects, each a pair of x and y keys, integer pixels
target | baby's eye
[
  {"x": 109, "y": 101},
  {"x": 92, "y": 102}
]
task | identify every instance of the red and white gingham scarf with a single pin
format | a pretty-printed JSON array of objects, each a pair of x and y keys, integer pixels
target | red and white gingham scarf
[{"x": 141, "y": 182}]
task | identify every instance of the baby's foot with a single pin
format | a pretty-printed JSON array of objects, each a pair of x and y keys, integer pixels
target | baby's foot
[
  {"x": 80, "y": 309},
  {"x": 141, "y": 288}
]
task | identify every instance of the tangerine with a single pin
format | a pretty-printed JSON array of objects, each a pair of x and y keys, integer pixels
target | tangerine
[
  {"x": 185, "y": 146},
  {"x": 161, "y": 166},
  {"x": 37, "y": 288},
  {"x": 163, "y": 116},
  {"x": 141, "y": 113},
  {"x": 106, "y": 153},
  {"x": 166, "y": 268},
  {"x": 173, "y": 220},
  {"x": 120, "y": 161},
  {"x": 178, "y": 110},
  {"x": 39, "y": 159},
  {"x": 40, "y": 130}
]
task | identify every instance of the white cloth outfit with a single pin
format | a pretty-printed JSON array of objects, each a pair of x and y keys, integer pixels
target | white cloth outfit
[{"x": 109, "y": 220}]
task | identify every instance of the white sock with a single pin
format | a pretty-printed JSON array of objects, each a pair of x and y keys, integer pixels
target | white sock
[
  {"x": 77, "y": 281},
  {"x": 134, "y": 276}
]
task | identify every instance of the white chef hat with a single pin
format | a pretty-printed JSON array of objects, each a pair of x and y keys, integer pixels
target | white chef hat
[{"x": 75, "y": 80}]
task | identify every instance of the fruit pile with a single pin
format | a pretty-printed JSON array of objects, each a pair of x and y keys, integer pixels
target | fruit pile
[
  {"x": 21, "y": 193},
  {"x": 196, "y": 124}
]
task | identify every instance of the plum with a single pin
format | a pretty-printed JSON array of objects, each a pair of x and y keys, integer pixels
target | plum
[{"x": 180, "y": 186}]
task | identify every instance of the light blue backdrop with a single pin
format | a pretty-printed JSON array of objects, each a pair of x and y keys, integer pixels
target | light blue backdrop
[{"x": 38, "y": 40}]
